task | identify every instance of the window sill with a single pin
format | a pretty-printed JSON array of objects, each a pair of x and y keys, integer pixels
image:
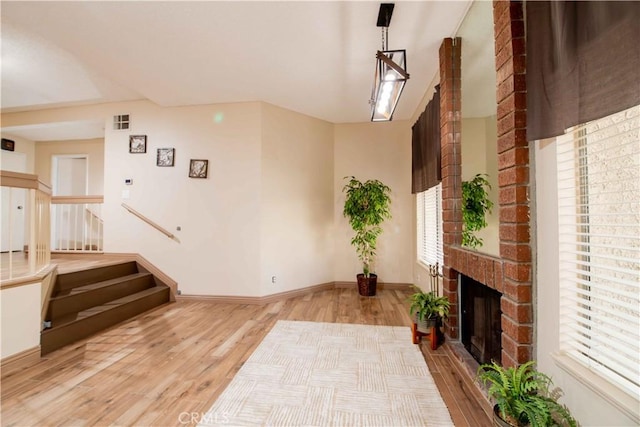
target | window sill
[{"x": 615, "y": 396}]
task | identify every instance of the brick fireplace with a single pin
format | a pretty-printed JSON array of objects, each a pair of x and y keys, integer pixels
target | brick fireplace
[{"x": 509, "y": 274}]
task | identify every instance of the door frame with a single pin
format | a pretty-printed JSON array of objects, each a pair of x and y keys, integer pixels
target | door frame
[{"x": 54, "y": 171}]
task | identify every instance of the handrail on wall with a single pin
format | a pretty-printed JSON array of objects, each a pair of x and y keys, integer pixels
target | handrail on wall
[
  {"x": 94, "y": 215},
  {"x": 148, "y": 221}
]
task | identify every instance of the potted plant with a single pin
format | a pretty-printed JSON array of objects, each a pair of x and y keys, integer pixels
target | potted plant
[
  {"x": 366, "y": 207},
  {"x": 475, "y": 205},
  {"x": 427, "y": 307},
  {"x": 523, "y": 396}
]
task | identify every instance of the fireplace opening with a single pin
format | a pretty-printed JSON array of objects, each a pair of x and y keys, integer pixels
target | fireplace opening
[{"x": 481, "y": 321}]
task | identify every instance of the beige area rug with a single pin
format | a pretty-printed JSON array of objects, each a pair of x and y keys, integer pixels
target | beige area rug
[{"x": 332, "y": 374}]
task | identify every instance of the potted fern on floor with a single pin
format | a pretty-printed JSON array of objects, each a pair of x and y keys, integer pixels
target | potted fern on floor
[
  {"x": 366, "y": 207},
  {"x": 523, "y": 397},
  {"x": 428, "y": 309}
]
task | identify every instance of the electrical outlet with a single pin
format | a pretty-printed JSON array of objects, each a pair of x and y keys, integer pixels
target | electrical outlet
[{"x": 273, "y": 279}]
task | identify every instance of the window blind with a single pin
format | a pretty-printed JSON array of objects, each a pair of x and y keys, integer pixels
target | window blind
[
  {"x": 429, "y": 214},
  {"x": 599, "y": 246}
]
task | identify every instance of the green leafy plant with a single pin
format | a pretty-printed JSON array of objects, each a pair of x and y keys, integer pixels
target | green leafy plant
[
  {"x": 427, "y": 305},
  {"x": 524, "y": 396},
  {"x": 366, "y": 207},
  {"x": 475, "y": 205}
]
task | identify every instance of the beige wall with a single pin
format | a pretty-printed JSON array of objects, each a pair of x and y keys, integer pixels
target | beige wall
[
  {"x": 93, "y": 148},
  {"x": 217, "y": 250},
  {"x": 271, "y": 206},
  {"x": 296, "y": 237},
  {"x": 376, "y": 151},
  {"x": 26, "y": 147},
  {"x": 587, "y": 404},
  {"x": 480, "y": 155},
  {"x": 20, "y": 323}
]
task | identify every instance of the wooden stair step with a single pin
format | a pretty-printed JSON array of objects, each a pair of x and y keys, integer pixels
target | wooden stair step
[
  {"x": 83, "y": 297},
  {"x": 90, "y": 311},
  {"x": 98, "y": 274},
  {"x": 80, "y": 325}
]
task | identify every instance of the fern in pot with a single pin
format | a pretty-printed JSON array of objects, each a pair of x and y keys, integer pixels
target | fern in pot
[
  {"x": 428, "y": 307},
  {"x": 366, "y": 207},
  {"x": 523, "y": 396}
]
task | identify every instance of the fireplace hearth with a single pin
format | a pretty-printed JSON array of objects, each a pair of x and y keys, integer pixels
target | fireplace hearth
[{"x": 481, "y": 321}]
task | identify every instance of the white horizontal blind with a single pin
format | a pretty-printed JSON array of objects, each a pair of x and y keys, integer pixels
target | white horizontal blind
[
  {"x": 429, "y": 214},
  {"x": 599, "y": 237}
]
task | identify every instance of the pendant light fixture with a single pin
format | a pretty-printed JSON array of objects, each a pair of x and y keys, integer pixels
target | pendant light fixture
[{"x": 391, "y": 72}]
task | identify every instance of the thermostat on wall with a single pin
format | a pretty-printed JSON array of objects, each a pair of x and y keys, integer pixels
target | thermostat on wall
[{"x": 128, "y": 181}]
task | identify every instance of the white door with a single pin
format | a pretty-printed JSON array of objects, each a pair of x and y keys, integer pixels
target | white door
[
  {"x": 69, "y": 178},
  {"x": 13, "y": 204},
  {"x": 70, "y": 175}
]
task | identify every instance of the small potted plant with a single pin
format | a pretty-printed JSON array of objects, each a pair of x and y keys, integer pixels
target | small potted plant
[
  {"x": 366, "y": 207},
  {"x": 427, "y": 307},
  {"x": 523, "y": 397}
]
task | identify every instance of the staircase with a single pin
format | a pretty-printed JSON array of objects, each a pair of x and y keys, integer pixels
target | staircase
[{"x": 88, "y": 301}]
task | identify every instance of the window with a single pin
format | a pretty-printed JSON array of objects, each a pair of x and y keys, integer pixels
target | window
[
  {"x": 599, "y": 246},
  {"x": 121, "y": 122},
  {"x": 429, "y": 214}
]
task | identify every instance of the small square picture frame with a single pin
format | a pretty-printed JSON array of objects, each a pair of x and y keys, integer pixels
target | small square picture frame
[
  {"x": 165, "y": 157},
  {"x": 198, "y": 168},
  {"x": 8, "y": 144},
  {"x": 137, "y": 144}
]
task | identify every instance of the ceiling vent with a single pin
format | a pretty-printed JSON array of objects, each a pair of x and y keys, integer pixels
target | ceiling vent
[{"x": 121, "y": 122}]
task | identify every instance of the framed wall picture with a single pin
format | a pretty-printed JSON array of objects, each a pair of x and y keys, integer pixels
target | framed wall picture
[
  {"x": 165, "y": 156},
  {"x": 137, "y": 144},
  {"x": 8, "y": 144},
  {"x": 198, "y": 168}
]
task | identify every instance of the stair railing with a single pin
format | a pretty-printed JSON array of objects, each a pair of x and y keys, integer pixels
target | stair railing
[
  {"x": 24, "y": 197},
  {"x": 78, "y": 224},
  {"x": 148, "y": 221}
]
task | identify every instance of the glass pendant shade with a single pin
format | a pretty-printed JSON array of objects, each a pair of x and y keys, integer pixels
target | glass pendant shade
[{"x": 391, "y": 75}]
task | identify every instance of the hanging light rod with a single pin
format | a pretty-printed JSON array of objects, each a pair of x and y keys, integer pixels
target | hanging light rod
[
  {"x": 391, "y": 72},
  {"x": 384, "y": 14}
]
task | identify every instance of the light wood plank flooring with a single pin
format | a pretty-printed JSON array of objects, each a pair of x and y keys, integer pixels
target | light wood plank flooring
[
  {"x": 65, "y": 262},
  {"x": 159, "y": 368}
]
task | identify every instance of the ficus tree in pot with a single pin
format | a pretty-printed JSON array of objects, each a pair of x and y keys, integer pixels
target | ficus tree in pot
[
  {"x": 475, "y": 206},
  {"x": 366, "y": 207}
]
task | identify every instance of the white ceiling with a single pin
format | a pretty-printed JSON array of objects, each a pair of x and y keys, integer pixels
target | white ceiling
[{"x": 316, "y": 58}]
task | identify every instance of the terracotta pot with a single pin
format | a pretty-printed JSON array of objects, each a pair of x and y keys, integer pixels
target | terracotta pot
[{"x": 367, "y": 285}]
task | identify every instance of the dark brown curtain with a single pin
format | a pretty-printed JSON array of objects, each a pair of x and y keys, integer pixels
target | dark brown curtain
[
  {"x": 583, "y": 62},
  {"x": 425, "y": 145}
]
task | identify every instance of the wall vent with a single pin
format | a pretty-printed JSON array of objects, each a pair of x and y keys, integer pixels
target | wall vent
[{"x": 121, "y": 122}]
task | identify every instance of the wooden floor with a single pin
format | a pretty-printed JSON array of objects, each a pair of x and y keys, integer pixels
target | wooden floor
[{"x": 161, "y": 367}]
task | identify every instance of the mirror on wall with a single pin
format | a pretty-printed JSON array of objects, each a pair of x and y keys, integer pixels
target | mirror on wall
[{"x": 479, "y": 112}]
